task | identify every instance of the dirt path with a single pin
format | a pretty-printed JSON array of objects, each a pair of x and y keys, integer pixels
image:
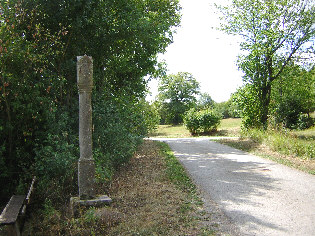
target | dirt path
[{"x": 261, "y": 197}]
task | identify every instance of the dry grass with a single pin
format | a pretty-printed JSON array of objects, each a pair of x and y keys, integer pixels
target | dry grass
[
  {"x": 149, "y": 202},
  {"x": 260, "y": 149},
  {"x": 145, "y": 202}
]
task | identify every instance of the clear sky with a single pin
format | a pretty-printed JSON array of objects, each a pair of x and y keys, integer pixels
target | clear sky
[{"x": 201, "y": 50}]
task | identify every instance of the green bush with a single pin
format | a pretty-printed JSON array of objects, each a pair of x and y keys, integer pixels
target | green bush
[
  {"x": 304, "y": 122},
  {"x": 204, "y": 121},
  {"x": 38, "y": 89}
]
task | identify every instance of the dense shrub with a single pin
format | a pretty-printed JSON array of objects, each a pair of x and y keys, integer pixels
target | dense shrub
[
  {"x": 39, "y": 43},
  {"x": 304, "y": 122},
  {"x": 204, "y": 121},
  {"x": 247, "y": 100},
  {"x": 292, "y": 99}
]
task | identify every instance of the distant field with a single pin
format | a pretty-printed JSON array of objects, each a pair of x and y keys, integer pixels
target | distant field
[
  {"x": 171, "y": 131},
  {"x": 228, "y": 127},
  {"x": 293, "y": 148},
  {"x": 308, "y": 134}
]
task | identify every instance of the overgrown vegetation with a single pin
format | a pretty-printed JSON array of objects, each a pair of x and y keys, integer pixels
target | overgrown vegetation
[
  {"x": 39, "y": 43},
  {"x": 292, "y": 148},
  {"x": 276, "y": 37},
  {"x": 285, "y": 142},
  {"x": 152, "y": 195}
]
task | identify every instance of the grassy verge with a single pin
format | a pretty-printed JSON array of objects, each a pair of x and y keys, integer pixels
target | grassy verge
[
  {"x": 292, "y": 148},
  {"x": 152, "y": 195},
  {"x": 228, "y": 127}
]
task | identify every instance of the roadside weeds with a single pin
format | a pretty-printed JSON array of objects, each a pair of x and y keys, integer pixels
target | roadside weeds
[
  {"x": 152, "y": 195},
  {"x": 263, "y": 150}
]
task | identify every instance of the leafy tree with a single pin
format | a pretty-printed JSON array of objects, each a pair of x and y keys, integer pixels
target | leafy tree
[
  {"x": 205, "y": 101},
  {"x": 177, "y": 94},
  {"x": 274, "y": 33},
  {"x": 39, "y": 43},
  {"x": 223, "y": 108},
  {"x": 228, "y": 109},
  {"x": 247, "y": 101},
  {"x": 293, "y": 95},
  {"x": 234, "y": 110}
]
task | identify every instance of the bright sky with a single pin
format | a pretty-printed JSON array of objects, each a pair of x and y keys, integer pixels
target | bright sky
[{"x": 198, "y": 48}]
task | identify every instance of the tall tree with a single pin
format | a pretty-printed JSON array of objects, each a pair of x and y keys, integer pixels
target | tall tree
[
  {"x": 205, "y": 101},
  {"x": 39, "y": 43},
  {"x": 274, "y": 32},
  {"x": 177, "y": 94}
]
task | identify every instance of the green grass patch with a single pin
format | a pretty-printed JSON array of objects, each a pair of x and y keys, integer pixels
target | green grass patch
[
  {"x": 175, "y": 171},
  {"x": 230, "y": 123},
  {"x": 171, "y": 131},
  {"x": 227, "y": 127},
  {"x": 308, "y": 134}
]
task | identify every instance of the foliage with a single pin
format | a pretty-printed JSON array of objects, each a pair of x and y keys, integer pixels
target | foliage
[
  {"x": 203, "y": 121},
  {"x": 27, "y": 104},
  {"x": 273, "y": 33},
  {"x": 114, "y": 121},
  {"x": 228, "y": 109},
  {"x": 247, "y": 100},
  {"x": 205, "y": 101},
  {"x": 284, "y": 142},
  {"x": 293, "y": 98},
  {"x": 304, "y": 122},
  {"x": 177, "y": 94},
  {"x": 151, "y": 115},
  {"x": 39, "y": 43}
]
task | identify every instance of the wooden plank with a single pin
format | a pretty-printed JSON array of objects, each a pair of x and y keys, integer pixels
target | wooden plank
[
  {"x": 30, "y": 190},
  {"x": 28, "y": 197},
  {"x": 12, "y": 209}
]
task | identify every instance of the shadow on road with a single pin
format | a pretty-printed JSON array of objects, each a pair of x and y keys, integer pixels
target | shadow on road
[{"x": 229, "y": 176}]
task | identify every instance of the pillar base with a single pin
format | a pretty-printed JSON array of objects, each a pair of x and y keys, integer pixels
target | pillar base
[
  {"x": 86, "y": 175},
  {"x": 76, "y": 203}
]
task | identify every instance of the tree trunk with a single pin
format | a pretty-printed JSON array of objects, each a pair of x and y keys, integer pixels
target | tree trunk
[{"x": 265, "y": 101}]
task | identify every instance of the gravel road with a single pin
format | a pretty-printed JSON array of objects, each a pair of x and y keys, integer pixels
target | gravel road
[{"x": 257, "y": 196}]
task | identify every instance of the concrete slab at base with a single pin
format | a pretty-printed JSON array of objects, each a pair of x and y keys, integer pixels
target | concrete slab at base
[{"x": 76, "y": 203}]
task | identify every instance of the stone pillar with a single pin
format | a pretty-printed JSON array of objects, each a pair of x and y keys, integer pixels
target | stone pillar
[{"x": 86, "y": 166}]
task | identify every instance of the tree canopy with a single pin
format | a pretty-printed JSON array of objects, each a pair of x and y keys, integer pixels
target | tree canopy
[
  {"x": 274, "y": 33},
  {"x": 177, "y": 94},
  {"x": 39, "y": 43}
]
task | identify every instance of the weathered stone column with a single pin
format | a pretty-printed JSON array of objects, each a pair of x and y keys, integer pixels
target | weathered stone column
[{"x": 86, "y": 166}]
